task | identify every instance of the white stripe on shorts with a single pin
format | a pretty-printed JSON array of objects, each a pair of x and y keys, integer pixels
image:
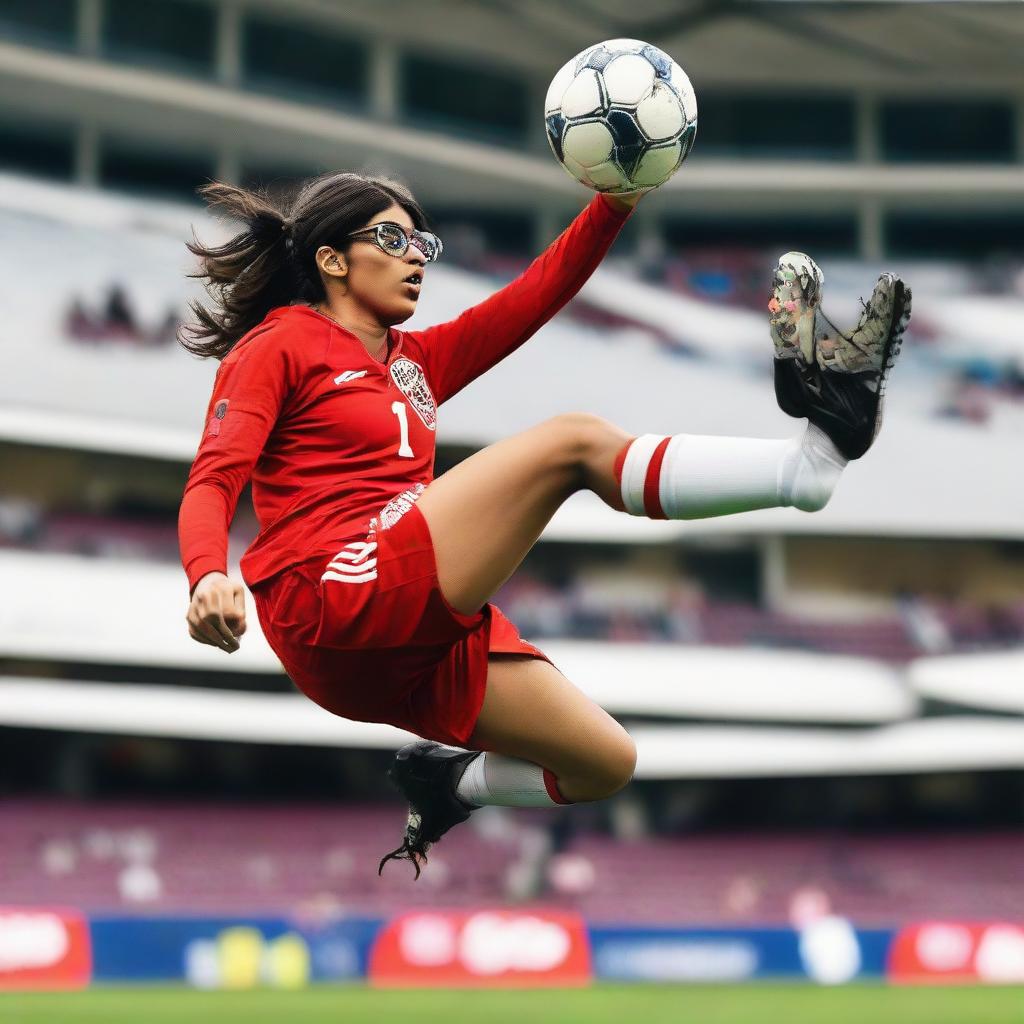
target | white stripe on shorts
[
  {"x": 353, "y": 569},
  {"x": 356, "y": 552},
  {"x": 365, "y": 577}
]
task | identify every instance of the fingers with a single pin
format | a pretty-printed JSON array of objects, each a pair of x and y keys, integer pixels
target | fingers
[
  {"x": 210, "y": 622},
  {"x": 234, "y": 614},
  {"x": 206, "y": 634},
  {"x": 238, "y": 625},
  {"x": 220, "y": 627}
]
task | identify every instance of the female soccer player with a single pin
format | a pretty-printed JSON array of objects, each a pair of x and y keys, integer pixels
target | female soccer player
[{"x": 371, "y": 578}]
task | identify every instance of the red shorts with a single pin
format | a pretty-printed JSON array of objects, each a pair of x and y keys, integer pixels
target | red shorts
[{"x": 368, "y": 635}]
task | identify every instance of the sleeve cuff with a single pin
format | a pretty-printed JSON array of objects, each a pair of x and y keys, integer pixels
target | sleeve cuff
[
  {"x": 600, "y": 201},
  {"x": 200, "y": 568}
]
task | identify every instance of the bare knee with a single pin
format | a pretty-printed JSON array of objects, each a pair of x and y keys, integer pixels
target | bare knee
[
  {"x": 610, "y": 771},
  {"x": 581, "y": 439}
]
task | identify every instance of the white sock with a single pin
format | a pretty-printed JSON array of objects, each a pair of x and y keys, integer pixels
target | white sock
[
  {"x": 507, "y": 782},
  {"x": 694, "y": 477}
]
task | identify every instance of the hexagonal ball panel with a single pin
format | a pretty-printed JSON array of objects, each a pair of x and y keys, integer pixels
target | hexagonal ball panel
[
  {"x": 657, "y": 165},
  {"x": 628, "y": 79},
  {"x": 607, "y": 175},
  {"x": 589, "y": 144},
  {"x": 660, "y": 114},
  {"x": 583, "y": 96}
]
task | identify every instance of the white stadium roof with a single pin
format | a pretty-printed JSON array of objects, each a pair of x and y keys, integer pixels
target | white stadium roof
[
  {"x": 663, "y": 751},
  {"x": 992, "y": 682}
]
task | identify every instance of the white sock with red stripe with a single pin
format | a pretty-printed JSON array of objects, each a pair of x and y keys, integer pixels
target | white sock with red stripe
[
  {"x": 507, "y": 782},
  {"x": 694, "y": 477}
]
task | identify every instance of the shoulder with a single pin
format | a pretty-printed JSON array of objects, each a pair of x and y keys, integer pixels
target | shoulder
[{"x": 287, "y": 334}]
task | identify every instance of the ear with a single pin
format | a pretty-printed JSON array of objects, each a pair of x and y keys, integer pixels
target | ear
[{"x": 331, "y": 262}]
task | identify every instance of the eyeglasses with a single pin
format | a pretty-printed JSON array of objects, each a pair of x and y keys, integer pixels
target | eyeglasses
[{"x": 393, "y": 240}]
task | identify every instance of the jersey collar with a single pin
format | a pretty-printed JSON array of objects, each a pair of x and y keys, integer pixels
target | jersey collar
[{"x": 395, "y": 338}]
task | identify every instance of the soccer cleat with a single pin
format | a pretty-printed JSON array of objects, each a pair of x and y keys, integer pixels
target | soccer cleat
[
  {"x": 835, "y": 378},
  {"x": 426, "y": 773},
  {"x": 796, "y": 292}
]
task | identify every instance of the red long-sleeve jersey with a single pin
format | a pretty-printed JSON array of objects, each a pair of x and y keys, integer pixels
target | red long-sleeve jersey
[{"x": 330, "y": 435}]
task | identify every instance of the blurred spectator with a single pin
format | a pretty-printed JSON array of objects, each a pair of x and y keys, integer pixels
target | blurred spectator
[
  {"x": 571, "y": 874},
  {"x": 139, "y": 883},
  {"x": 1003, "y": 626},
  {"x": 115, "y": 320},
  {"x": 683, "y": 612},
  {"x": 81, "y": 323},
  {"x": 923, "y": 622},
  {"x": 742, "y": 897},
  {"x": 808, "y": 904},
  {"x": 536, "y": 607},
  {"x": 650, "y": 258},
  {"x": 21, "y": 521},
  {"x": 59, "y": 857},
  {"x": 969, "y": 398},
  {"x": 117, "y": 314}
]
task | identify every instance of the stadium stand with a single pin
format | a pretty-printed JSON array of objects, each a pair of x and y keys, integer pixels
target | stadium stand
[{"x": 194, "y": 858}]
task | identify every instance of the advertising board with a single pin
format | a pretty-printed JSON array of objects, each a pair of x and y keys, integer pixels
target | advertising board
[
  {"x": 42, "y": 948},
  {"x": 500, "y": 948}
]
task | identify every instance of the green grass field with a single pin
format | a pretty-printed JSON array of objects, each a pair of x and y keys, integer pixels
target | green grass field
[{"x": 603, "y": 1004}]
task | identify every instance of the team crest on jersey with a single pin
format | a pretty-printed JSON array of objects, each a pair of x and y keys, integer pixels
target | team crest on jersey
[
  {"x": 412, "y": 382},
  {"x": 220, "y": 410}
]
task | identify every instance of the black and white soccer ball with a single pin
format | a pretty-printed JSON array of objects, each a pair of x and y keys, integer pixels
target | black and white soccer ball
[{"x": 621, "y": 116}]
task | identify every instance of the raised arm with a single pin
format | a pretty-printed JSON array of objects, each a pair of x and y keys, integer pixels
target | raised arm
[
  {"x": 248, "y": 395},
  {"x": 459, "y": 351}
]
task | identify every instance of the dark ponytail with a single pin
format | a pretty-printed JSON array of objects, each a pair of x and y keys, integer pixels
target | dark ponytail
[{"x": 271, "y": 261}]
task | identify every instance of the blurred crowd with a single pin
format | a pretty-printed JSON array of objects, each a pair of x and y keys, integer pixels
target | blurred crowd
[
  {"x": 320, "y": 861},
  {"x": 633, "y": 608},
  {"x": 113, "y": 319},
  {"x": 971, "y": 384},
  {"x": 973, "y": 392}
]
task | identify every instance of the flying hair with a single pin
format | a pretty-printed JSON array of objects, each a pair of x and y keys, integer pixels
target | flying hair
[{"x": 270, "y": 261}]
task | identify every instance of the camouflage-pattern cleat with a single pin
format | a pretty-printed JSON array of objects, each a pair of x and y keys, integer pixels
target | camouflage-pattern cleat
[
  {"x": 834, "y": 378},
  {"x": 426, "y": 774},
  {"x": 796, "y": 292}
]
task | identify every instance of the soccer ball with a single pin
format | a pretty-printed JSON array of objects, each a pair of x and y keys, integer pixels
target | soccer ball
[{"x": 621, "y": 116}]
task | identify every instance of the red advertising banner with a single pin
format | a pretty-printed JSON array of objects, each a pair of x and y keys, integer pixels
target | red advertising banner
[
  {"x": 43, "y": 949},
  {"x": 500, "y": 948},
  {"x": 958, "y": 953}
]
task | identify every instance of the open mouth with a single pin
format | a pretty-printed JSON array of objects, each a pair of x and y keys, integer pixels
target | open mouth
[{"x": 415, "y": 278}]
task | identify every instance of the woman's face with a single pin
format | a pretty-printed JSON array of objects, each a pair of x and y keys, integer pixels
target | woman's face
[{"x": 380, "y": 282}]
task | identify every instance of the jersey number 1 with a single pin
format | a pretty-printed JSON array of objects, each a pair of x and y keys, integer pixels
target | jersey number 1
[{"x": 404, "y": 449}]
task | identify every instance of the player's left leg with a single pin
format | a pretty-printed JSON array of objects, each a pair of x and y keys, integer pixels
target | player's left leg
[
  {"x": 485, "y": 514},
  {"x": 544, "y": 743}
]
